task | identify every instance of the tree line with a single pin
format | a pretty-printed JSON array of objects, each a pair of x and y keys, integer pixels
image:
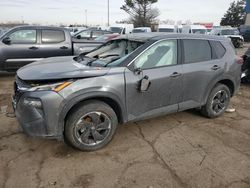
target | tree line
[{"x": 143, "y": 14}]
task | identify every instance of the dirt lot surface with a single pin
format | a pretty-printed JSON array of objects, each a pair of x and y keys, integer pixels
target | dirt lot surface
[{"x": 178, "y": 150}]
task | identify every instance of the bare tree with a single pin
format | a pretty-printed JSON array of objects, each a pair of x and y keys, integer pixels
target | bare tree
[{"x": 141, "y": 12}]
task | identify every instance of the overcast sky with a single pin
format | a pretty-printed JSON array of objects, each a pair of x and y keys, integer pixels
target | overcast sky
[{"x": 73, "y": 11}]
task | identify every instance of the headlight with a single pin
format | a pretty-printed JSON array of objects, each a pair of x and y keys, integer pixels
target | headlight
[
  {"x": 57, "y": 87},
  {"x": 32, "y": 102}
]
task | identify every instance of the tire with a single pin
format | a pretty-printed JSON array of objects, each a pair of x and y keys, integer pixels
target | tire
[
  {"x": 214, "y": 101},
  {"x": 90, "y": 126}
]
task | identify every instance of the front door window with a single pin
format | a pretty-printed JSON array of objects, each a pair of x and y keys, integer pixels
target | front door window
[
  {"x": 23, "y": 37},
  {"x": 161, "y": 54}
]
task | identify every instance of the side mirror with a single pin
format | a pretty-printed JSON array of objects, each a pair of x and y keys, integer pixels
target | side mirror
[
  {"x": 7, "y": 40},
  {"x": 144, "y": 84},
  {"x": 218, "y": 34},
  {"x": 78, "y": 36}
]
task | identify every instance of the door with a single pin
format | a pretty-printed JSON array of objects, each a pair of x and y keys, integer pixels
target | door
[
  {"x": 160, "y": 64},
  {"x": 54, "y": 43},
  {"x": 21, "y": 48},
  {"x": 200, "y": 68}
]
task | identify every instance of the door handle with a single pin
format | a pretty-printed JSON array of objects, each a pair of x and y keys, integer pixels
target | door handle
[
  {"x": 175, "y": 74},
  {"x": 215, "y": 67},
  {"x": 64, "y": 47},
  {"x": 33, "y": 48}
]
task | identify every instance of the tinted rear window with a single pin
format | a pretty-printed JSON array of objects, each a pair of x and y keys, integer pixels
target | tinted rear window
[
  {"x": 168, "y": 30},
  {"x": 52, "y": 36},
  {"x": 218, "y": 50},
  {"x": 197, "y": 51}
]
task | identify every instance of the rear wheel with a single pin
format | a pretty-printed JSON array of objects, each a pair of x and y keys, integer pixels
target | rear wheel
[
  {"x": 217, "y": 102},
  {"x": 90, "y": 126}
]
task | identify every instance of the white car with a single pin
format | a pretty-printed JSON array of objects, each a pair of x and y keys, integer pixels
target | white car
[
  {"x": 194, "y": 29},
  {"x": 229, "y": 32},
  {"x": 142, "y": 30},
  {"x": 121, "y": 28},
  {"x": 168, "y": 28}
]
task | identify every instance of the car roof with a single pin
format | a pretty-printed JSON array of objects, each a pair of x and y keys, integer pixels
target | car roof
[
  {"x": 39, "y": 27},
  {"x": 144, "y": 37}
]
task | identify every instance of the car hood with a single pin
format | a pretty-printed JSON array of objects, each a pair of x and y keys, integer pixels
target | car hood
[{"x": 59, "y": 68}]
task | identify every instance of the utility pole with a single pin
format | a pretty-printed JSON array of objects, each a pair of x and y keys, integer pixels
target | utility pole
[
  {"x": 108, "y": 12},
  {"x": 86, "y": 17}
]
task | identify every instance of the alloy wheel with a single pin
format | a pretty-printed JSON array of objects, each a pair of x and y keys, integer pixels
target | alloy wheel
[
  {"x": 93, "y": 128},
  {"x": 220, "y": 101}
]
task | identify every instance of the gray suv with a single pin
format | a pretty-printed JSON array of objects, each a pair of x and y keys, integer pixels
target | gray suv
[{"x": 82, "y": 99}]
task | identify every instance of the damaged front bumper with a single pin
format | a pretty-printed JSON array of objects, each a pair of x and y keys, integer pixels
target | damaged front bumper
[{"x": 37, "y": 112}]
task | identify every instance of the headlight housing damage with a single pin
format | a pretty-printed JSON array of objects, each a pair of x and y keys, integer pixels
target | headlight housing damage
[{"x": 57, "y": 87}]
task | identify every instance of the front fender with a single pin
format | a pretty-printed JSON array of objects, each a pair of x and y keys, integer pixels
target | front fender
[{"x": 83, "y": 95}]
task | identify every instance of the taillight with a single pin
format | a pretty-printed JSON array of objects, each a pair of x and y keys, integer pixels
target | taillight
[{"x": 239, "y": 61}]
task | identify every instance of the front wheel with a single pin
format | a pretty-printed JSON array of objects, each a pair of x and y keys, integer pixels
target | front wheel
[
  {"x": 217, "y": 102},
  {"x": 91, "y": 126}
]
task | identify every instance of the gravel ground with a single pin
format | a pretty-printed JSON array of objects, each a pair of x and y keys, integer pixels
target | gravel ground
[{"x": 178, "y": 150}]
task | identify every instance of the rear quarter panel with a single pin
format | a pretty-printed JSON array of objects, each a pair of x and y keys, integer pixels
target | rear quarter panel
[{"x": 232, "y": 70}]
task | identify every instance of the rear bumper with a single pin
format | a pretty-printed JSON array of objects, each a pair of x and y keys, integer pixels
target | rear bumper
[{"x": 39, "y": 121}]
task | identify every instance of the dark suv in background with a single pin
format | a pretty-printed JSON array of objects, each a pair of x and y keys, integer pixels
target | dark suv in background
[{"x": 82, "y": 99}]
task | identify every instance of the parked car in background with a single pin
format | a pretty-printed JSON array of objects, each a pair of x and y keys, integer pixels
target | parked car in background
[
  {"x": 168, "y": 28},
  {"x": 229, "y": 32},
  {"x": 73, "y": 30},
  {"x": 194, "y": 29},
  {"x": 26, "y": 44},
  {"x": 121, "y": 28},
  {"x": 1, "y": 32},
  {"x": 245, "y": 32},
  {"x": 209, "y": 30},
  {"x": 142, "y": 30},
  {"x": 82, "y": 99},
  {"x": 107, "y": 37},
  {"x": 90, "y": 34}
]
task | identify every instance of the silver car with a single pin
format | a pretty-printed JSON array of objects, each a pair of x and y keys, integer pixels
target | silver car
[{"x": 82, "y": 99}]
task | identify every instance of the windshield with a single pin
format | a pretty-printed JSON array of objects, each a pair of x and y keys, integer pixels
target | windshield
[
  {"x": 199, "y": 31},
  {"x": 229, "y": 32},
  {"x": 169, "y": 30},
  {"x": 109, "y": 53},
  {"x": 116, "y": 29},
  {"x": 117, "y": 62}
]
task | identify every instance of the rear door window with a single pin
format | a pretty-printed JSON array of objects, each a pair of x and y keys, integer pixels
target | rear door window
[
  {"x": 196, "y": 51},
  {"x": 52, "y": 36},
  {"x": 218, "y": 50}
]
